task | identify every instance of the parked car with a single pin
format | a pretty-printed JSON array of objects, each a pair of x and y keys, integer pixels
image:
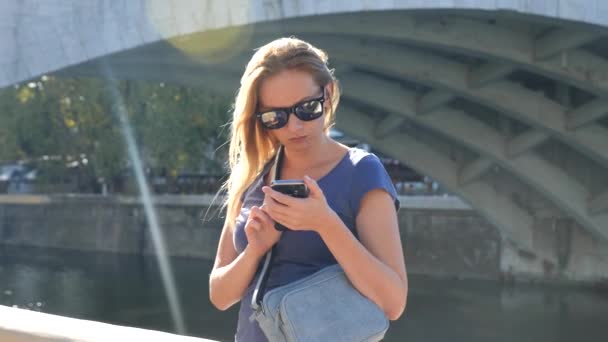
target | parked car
[{"x": 17, "y": 178}]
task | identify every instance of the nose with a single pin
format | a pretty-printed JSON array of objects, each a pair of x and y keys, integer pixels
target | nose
[{"x": 294, "y": 123}]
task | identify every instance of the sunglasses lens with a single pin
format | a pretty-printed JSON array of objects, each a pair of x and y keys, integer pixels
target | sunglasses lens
[
  {"x": 310, "y": 110},
  {"x": 305, "y": 111},
  {"x": 274, "y": 119}
]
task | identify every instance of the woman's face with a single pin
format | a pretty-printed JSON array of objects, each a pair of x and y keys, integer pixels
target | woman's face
[{"x": 284, "y": 90}]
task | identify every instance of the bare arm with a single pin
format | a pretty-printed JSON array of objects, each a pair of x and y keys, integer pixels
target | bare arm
[
  {"x": 376, "y": 265},
  {"x": 232, "y": 272}
]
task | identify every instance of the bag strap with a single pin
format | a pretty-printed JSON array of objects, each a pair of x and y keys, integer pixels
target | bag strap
[{"x": 275, "y": 172}]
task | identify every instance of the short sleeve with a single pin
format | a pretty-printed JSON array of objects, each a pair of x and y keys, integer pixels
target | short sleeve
[
  {"x": 370, "y": 174},
  {"x": 256, "y": 180}
]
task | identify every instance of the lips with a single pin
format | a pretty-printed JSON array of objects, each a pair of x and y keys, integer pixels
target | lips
[{"x": 300, "y": 138}]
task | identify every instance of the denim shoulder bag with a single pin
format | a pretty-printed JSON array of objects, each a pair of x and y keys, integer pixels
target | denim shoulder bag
[{"x": 321, "y": 307}]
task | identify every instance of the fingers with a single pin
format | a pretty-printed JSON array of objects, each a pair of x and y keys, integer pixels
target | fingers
[
  {"x": 260, "y": 215},
  {"x": 283, "y": 219},
  {"x": 273, "y": 208},
  {"x": 313, "y": 187},
  {"x": 279, "y": 197},
  {"x": 253, "y": 224}
]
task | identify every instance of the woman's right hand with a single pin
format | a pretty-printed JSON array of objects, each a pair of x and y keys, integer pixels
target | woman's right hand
[{"x": 260, "y": 231}]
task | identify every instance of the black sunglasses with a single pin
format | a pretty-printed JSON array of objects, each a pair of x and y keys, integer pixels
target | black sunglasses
[{"x": 306, "y": 110}]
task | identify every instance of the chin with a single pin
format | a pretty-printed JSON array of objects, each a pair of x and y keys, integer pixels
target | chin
[
  {"x": 297, "y": 146},
  {"x": 304, "y": 144}
]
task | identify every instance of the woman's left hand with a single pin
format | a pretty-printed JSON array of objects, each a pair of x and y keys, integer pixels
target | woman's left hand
[{"x": 298, "y": 213}]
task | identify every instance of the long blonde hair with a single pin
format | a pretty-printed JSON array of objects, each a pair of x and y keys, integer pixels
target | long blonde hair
[{"x": 251, "y": 147}]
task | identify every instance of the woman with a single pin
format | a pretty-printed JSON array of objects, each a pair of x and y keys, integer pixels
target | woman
[{"x": 288, "y": 97}]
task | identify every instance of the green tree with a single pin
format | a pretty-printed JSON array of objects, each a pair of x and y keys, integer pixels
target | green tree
[
  {"x": 71, "y": 120},
  {"x": 180, "y": 128}
]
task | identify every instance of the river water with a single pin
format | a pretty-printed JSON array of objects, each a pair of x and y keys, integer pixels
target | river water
[{"x": 127, "y": 290}]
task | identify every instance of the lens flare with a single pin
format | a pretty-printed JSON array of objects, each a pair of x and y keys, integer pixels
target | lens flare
[
  {"x": 211, "y": 34},
  {"x": 158, "y": 240}
]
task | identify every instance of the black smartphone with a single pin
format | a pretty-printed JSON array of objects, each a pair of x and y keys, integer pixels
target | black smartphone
[{"x": 291, "y": 187}]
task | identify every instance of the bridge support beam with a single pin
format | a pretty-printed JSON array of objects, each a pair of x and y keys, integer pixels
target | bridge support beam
[
  {"x": 474, "y": 170},
  {"x": 514, "y": 223},
  {"x": 550, "y": 181}
]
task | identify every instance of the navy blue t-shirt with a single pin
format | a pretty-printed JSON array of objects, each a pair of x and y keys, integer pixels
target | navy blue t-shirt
[{"x": 302, "y": 253}]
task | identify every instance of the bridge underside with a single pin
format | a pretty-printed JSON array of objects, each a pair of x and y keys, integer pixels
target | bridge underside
[{"x": 508, "y": 111}]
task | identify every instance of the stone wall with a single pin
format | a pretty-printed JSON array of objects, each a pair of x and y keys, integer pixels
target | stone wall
[
  {"x": 111, "y": 224},
  {"x": 441, "y": 236}
]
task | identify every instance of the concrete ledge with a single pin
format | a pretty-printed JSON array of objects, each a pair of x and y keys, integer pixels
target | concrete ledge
[
  {"x": 407, "y": 202},
  {"x": 24, "y": 199},
  {"x": 180, "y": 200},
  {"x": 18, "y": 325},
  {"x": 433, "y": 202}
]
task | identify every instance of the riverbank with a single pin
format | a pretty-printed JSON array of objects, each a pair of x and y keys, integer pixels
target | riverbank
[{"x": 442, "y": 236}]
